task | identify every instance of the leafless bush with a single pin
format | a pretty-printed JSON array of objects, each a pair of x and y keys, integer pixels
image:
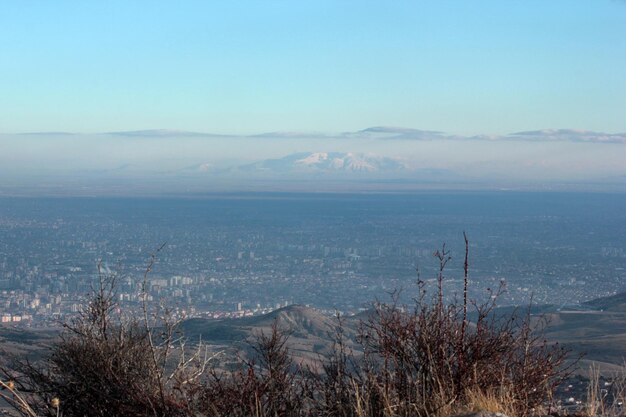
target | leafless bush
[
  {"x": 431, "y": 360},
  {"x": 106, "y": 364},
  {"x": 335, "y": 385},
  {"x": 435, "y": 358},
  {"x": 268, "y": 385}
]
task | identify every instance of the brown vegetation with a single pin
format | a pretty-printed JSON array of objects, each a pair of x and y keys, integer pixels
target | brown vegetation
[
  {"x": 427, "y": 359},
  {"x": 432, "y": 361}
]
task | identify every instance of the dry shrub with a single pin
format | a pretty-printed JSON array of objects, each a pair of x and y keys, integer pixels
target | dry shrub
[
  {"x": 431, "y": 360},
  {"x": 108, "y": 365},
  {"x": 267, "y": 385},
  {"x": 436, "y": 358}
]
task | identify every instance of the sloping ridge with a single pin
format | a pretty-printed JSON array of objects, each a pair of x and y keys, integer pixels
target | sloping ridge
[
  {"x": 615, "y": 303},
  {"x": 310, "y": 331},
  {"x": 298, "y": 321}
]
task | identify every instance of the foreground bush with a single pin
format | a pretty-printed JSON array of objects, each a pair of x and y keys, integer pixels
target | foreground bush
[
  {"x": 106, "y": 364},
  {"x": 431, "y": 360},
  {"x": 426, "y": 360},
  {"x": 267, "y": 385}
]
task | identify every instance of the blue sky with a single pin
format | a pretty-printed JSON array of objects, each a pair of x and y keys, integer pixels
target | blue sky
[{"x": 464, "y": 67}]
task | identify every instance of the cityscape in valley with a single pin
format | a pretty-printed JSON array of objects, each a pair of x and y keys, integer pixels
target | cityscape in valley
[
  {"x": 313, "y": 208},
  {"x": 246, "y": 254}
]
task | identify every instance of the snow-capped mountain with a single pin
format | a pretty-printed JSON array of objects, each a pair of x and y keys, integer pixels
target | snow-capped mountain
[
  {"x": 329, "y": 163},
  {"x": 198, "y": 168}
]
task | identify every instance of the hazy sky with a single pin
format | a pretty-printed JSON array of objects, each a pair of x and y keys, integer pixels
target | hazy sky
[{"x": 464, "y": 67}]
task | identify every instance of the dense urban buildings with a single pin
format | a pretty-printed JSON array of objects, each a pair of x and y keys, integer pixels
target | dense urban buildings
[{"x": 243, "y": 254}]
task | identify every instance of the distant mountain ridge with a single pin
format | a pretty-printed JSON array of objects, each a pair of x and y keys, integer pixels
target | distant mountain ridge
[
  {"x": 378, "y": 132},
  {"x": 328, "y": 162},
  {"x": 163, "y": 133},
  {"x": 324, "y": 166}
]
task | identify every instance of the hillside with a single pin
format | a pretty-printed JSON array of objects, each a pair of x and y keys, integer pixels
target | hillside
[
  {"x": 310, "y": 331},
  {"x": 31, "y": 343},
  {"x": 596, "y": 329},
  {"x": 599, "y": 333},
  {"x": 615, "y": 303}
]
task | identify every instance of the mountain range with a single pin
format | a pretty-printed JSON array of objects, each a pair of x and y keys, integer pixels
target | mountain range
[
  {"x": 328, "y": 162},
  {"x": 378, "y": 132},
  {"x": 325, "y": 165},
  {"x": 378, "y": 158}
]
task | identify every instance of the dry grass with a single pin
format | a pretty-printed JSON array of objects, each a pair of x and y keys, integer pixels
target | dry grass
[
  {"x": 500, "y": 400},
  {"x": 605, "y": 400}
]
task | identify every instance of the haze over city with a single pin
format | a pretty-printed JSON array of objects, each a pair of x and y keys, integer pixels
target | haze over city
[
  {"x": 501, "y": 95},
  {"x": 313, "y": 208}
]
